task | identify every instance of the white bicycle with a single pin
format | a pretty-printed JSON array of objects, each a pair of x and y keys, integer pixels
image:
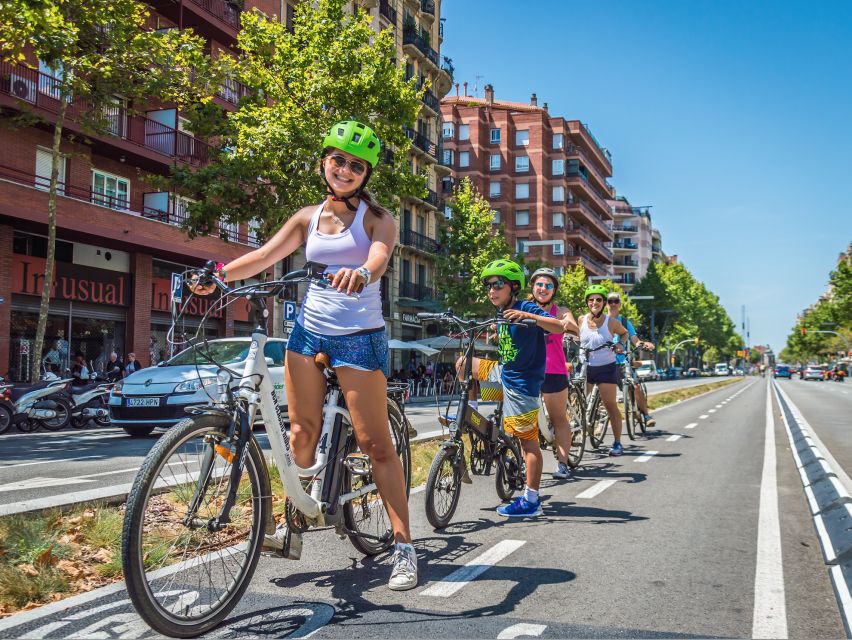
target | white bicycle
[{"x": 203, "y": 499}]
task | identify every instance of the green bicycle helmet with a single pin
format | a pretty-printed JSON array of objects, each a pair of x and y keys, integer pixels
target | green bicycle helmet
[
  {"x": 548, "y": 272},
  {"x": 506, "y": 269},
  {"x": 355, "y": 138},
  {"x": 593, "y": 289}
]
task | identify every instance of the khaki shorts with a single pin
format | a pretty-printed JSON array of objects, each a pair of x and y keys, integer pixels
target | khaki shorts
[{"x": 520, "y": 412}]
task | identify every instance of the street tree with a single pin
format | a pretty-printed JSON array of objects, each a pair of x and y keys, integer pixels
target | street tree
[
  {"x": 469, "y": 241},
  {"x": 332, "y": 66},
  {"x": 98, "y": 50},
  {"x": 573, "y": 284}
]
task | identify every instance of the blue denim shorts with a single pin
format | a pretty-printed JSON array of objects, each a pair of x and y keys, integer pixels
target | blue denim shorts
[{"x": 362, "y": 351}]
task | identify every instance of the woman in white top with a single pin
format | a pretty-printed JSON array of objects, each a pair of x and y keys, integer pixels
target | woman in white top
[
  {"x": 598, "y": 329},
  {"x": 355, "y": 237}
]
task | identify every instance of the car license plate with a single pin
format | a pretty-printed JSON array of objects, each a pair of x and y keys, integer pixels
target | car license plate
[{"x": 142, "y": 402}]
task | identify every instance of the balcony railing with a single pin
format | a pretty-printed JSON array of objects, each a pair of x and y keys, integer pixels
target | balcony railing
[
  {"x": 625, "y": 278},
  {"x": 415, "y": 291},
  {"x": 222, "y": 9},
  {"x": 625, "y": 262},
  {"x": 427, "y": 6},
  {"x": 431, "y": 101},
  {"x": 232, "y": 90},
  {"x": 447, "y": 65},
  {"x": 622, "y": 244},
  {"x": 42, "y": 91},
  {"x": 431, "y": 198},
  {"x": 591, "y": 238},
  {"x": 626, "y": 228},
  {"x": 417, "y": 240},
  {"x": 599, "y": 266},
  {"x": 600, "y": 147},
  {"x": 591, "y": 215},
  {"x": 573, "y": 150},
  {"x": 422, "y": 142},
  {"x": 410, "y": 36},
  {"x": 386, "y": 10}
]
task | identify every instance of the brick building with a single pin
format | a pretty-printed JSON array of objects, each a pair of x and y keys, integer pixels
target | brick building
[
  {"x": 119, "y": 241},
  {"x": 546, "y": 177}
]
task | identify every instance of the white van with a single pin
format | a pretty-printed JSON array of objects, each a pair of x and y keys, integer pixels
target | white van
[{"x": 721, "y": 370}]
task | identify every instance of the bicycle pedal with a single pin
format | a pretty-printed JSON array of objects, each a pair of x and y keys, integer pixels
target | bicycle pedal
[{"x": 358, "y": 464}]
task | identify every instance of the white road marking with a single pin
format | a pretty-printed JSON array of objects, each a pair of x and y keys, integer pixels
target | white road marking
[
  {"x": 718, "y": 406},
  {"x": 825, "y": 539},
  {"x": 842, "y": 590},
  {"x": 770, "y": 613},
  {"x": 40, "y": 483},
  {"x": 599, "y": 487},
  {"x": 691, "y": 425},
  {"x": 30, "y": 464},
  {"x": 703, "y": 417},
  {"x": 674, "y": 438},
  {"x": 648, "y": 455},
  {"x": 523, "y": 629},
  {"x": 712, "y": 411},
  {"x": 463, "y": 576}
]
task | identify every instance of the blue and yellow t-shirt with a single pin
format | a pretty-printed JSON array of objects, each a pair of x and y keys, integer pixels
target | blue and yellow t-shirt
[{"x": 522, "y": 352}]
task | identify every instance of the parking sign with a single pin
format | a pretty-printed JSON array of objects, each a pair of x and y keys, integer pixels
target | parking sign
[{"x": 289, "y": 311}]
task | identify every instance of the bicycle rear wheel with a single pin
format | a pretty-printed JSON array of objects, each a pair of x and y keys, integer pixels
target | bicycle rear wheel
[
  {"x": 576, "y": 410},
  {"x": 443, "y": 487},
  {"x": 629, "y": 402},
  {"x": 638, "y": 416},
  {"x": 509, "y": 468},
  {"x": 183, "y": 578},
  {"x": 597, "y": 422},
  {"x": 366, "y": 514}
]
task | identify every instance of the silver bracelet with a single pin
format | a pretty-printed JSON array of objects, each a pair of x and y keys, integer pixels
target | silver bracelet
[{"x": 365, "y": 273}]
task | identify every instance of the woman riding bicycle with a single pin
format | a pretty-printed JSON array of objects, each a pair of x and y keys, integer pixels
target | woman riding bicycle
[
  {"x": 355, "y": 237},
  {"x": 554, "y": 390},
  {"x": 596, "y": 330}
]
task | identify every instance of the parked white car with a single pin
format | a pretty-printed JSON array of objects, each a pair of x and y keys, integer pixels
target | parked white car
[
  {"x": 647, "y": 371},
  {"x": 158, "y": 396},
  {"x": 721, "y": 369}
]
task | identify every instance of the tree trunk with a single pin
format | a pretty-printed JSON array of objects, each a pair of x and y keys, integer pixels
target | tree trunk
[{"x": 44, "y": 309}]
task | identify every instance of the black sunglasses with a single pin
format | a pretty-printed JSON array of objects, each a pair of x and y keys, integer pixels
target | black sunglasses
[
  {"x": 613, "y": 301},
  {"x": 497, "y": 284},
  {"x": 356, "y": 167}
]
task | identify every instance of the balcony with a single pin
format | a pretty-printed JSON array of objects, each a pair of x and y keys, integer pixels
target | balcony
[
  {"x": 427, "y": 9},
  {"x": 225, "y": 11},
  {"x": 231, "y": 91},
  {"x": 602, "y": 156},
  {"x": 624, "y": 245},
  {"x": 625, "y": 228},
  {"x": 418, "y": 45},
  {"x": 444, "y": 82},
  {"x": 592, "y": 266},
  {"x": 626, "y": 262},
  {"x": 387, "y": 11},
  {"x": 417, "y": 294},
  {"x": 591, "y": 240},
  {"x": 578, "y": 179},
  {"x": 582, "y": 209},
  {"x": 149, "y": 141},
  {"x": 430, "y": 100},
  {"x": 625, "y": 278},
  {"x": 422, "y": 143},
  {"x": 419, "y": 241},
  {"x": 592, "y": 166}
]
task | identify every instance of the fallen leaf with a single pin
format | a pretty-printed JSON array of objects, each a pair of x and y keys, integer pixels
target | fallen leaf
[
  {"x": 75, "y": 521},
  {"x": 104, "y": 555},
  {"x": 70, "y": 569},
  {"x": 28, "y": 570},
  {"x": 46, "y": 558}
]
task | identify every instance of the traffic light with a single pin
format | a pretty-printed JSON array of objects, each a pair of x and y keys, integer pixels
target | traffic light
[
  {"x": 696, "y": 341},
  {"x": 672, "y": 360}
]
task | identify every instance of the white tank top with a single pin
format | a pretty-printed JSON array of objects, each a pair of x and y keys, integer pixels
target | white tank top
[
  {"x": 591, "y": 338},
  {"x": 325, "y": 311}
]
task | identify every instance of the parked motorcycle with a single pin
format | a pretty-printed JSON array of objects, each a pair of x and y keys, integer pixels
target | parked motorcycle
[
  {"x": 90, "y": 402},
  {"x": 41, "y": 404}
]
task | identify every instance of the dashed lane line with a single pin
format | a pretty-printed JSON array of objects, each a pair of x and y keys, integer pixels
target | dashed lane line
[
  {"x": 703, "y": 416},
  {"x": 712, "y": 411},
  {"x": 596, "y": 489},
  {"x": 522, "y": 630},
  {"x": 646, "y": 456},
  {"x": 691, "y": 425},
  {"x": 674, "y": 438},
  {"x": 463, "y": 576}
]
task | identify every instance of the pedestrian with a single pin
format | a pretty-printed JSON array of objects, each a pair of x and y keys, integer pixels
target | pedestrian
[
  {"x": 79, "y": 371},
  {"x": 114, "y": 369},
  {"x": 132, "y": 365}
]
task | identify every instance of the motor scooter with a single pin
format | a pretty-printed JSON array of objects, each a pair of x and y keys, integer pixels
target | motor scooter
[
  {"x": 41, "y": 404},
  {"x": 90, "y": 402},
  {"x": 6, "y": 408}
]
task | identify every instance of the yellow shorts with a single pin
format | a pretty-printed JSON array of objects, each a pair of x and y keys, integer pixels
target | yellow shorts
[{"x": 520, "y": 412}]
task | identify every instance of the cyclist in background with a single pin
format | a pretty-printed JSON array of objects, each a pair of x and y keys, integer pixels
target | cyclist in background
[
  {"x": 518, "y": 376},
  {"x": 596, "y": 330},
  {"x": 554, "y": 390},
  {"x": 613, "y": 302}
]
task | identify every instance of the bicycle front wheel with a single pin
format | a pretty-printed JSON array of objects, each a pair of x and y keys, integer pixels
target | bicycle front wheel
[
  {"x": 629, "y": 402},
  {"x": 182, "y": 575},
  {"x": 576, "y": 411},
  {"x": 597, "y": 422},
  {"x": 366, "y": 515},
  {"x": 509, "y": 468},
  {"x": 443, "y": 487}
]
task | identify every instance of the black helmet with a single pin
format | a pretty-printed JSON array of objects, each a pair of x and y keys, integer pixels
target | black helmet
[{"x": 550, "y": 273}]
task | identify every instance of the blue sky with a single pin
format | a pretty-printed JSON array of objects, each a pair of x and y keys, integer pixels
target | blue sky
[{"x": 733, "y": 119}]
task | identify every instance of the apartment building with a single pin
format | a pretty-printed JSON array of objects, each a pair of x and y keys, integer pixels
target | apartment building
[
  {"x": 546, "y": 177},
  {"x": 118, "y": 240},
  {"x": 409, "y": 285},
  {"x": 632, "y": 242}
]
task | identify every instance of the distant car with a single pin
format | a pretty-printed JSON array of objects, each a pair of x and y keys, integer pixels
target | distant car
[
  {"x": 721, "y": 369},
  {"x": 813, "y": 372},
  {"x": 693, "y": 372},
  {"x": 707, "y": 371},
  {"x": 739, "y": 372},
  {"x": 646, "y": 372},
  {"x": 661, "y": 373},
  {"x": 782, "y": 371},
  {"x": 158, "y": 396}
]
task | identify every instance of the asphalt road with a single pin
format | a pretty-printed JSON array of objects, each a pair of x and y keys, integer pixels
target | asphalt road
[
  {"x": 700, "y": 539},
  {"x": 44, "y": 469}
]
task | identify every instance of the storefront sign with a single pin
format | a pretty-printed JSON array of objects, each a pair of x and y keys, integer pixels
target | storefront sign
[
  {"x": 410, "y": 318},
  {"x": 161, "y": 299},
  {"x": 71, "y": 282}
]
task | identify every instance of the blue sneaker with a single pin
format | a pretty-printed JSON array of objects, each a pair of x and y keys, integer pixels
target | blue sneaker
[
  {"x": 520, "y": 507},
  {"x": 616, "y": 449}
]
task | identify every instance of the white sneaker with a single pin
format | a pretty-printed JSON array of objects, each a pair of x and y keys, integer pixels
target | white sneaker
[
  {"x": 562, "y": 471},
  {"x": 273, "y": 545},
  {"x": 404, "y": 574},
  {"x": 649, "y": 420}
]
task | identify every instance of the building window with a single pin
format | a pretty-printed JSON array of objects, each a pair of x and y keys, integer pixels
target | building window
[
  {"x": 494, "y": 189},
  {"x": 559, "y": 194},
  {"x": 522, "y": 218},
  {"x": 448, "y": 212},
  {"x": 464, "y": 132},
  {"x": 464, "y": 158},
  {"x": 559, "y": 248},
  {"x": 522, "y": 164},
  {"x": 448, "y": 157},
  {"x": 449, "y": 130},
  {"x": 522, "y": 191},
  {"x": 521, "y": 245},
  {"x": 495, "y": 136},
  {"x": 109, "y": 190},
  {"x": 495, "y": 216},
  {"x": 44, "y": 164},
  {"x": 522, "y": 138},
  {"x": 495, "y": 161},
  {"x": 558, "y": 167},
  {"x": 558, "y": 140},
  {"x": 558, "y": 220}
]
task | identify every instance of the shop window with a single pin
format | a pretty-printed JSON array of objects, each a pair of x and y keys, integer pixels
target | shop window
[{"x": 36, "y": 246}]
